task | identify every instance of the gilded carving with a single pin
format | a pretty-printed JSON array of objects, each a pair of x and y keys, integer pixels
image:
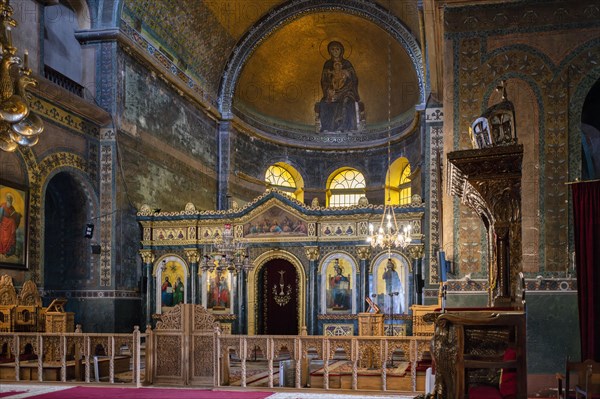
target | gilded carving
[
  {"x": 363, "y": 252},
  {"x": 8, "y": 294},
  {"x": 416, "y": 251},
  {"x": 192, "y": 255},
  {"x": 29, "y": 295},
  {"x": 312, "y": 253},
  {"x": 147, "y": 256}
]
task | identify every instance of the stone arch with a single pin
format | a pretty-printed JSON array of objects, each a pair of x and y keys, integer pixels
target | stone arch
[
  {"x": 38, "y": 177},
  {"x": 69, "y": 204},
  {"x": 293, "y": 10},
  {"x": 259, "y": 263}
]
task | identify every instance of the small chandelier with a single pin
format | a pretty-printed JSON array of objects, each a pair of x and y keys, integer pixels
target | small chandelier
[
  {"x": 228, "y": 254},
  {"x": 17, "y": 125}
]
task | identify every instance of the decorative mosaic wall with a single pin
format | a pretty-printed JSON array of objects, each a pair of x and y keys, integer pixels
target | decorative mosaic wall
[
  {"x": 174, "y": 25},
  {"x": 519, "y": 43}
]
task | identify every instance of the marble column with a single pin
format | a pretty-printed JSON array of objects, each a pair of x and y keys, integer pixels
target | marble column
[
  {"x": 416, "y": 256},
  {"x": 242, "y": 316},
  {"x": 364, "y": 255},
  {"x": 223, "y": 166},
  {"x": 193, "y": 257},
  {"x": 312, "y": 253},
  {"x": 148, "y": 260}
]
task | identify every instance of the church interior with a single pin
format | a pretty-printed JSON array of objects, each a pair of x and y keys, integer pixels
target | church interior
[{"x": 303, "y": 169}]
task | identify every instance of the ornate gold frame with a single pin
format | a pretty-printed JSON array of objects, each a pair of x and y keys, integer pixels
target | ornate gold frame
[{"x": 252, "y": 281}]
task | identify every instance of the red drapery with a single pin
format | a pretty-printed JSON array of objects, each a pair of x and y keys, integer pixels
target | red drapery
[{"x": 586, "y": 215}]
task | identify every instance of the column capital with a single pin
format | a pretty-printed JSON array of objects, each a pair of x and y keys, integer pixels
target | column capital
[
  {"x": 416, "y": 251},
  {"x": 312, "y": 253},
  {"x": 363, "y": 252},
  {"x": 147, "y": 256},
  {"x": 193, "y": 255}
]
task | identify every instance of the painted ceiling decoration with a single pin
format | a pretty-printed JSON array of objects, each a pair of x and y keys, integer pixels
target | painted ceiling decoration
[{"x": 264, "y": 62}]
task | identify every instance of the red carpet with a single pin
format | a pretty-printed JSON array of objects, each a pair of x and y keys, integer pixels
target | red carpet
[{"x": 147, "y": 393}]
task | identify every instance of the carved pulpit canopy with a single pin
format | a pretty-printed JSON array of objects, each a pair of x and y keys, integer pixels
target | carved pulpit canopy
[
  {"x": 488, "y": 180},
  {"x": 496, "y": 126}
]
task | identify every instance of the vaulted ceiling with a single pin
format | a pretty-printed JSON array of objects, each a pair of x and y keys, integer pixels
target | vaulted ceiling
[{"x": 279, "y": 81}]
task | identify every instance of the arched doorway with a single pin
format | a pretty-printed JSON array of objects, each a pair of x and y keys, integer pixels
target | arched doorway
[
  {"x": 590, "y": 131},
  {"x": 67, "y": 252},
  {"x": 278, "y": 298}
]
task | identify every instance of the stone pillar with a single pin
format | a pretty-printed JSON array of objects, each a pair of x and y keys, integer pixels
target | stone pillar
[
  {"x": 193, "y": 257},
  {"x": 364, "y": 254},
  {"x": 148, "y": 260},
  {"x": 416, "y": 257},
  {"x": 313, "y": 254}
]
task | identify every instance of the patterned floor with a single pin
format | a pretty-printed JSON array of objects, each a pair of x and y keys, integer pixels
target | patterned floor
[{"x": 22, "y": 391}]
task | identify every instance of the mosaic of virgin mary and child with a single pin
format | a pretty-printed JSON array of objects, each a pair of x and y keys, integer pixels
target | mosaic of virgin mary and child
[{"x": 340, "y": 108}]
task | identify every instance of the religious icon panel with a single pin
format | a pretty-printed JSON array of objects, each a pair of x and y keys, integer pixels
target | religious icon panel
[
  {"x": 13, "y": 218},
  {"x": 389, "y": 284},
  {"x": 218, "y": 288},
  {"x": 338, "y": 285},
  {"x": 171, "y": 275}
]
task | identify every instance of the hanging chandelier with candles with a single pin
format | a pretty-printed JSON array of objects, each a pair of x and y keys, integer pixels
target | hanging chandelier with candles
[
  {"x": 18, "y": 126},
  {"x": 388, "y": 234},
  {"x": 227, "y": 254}
]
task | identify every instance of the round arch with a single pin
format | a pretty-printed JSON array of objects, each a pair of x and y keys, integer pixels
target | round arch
[
  {"x": 259, "y": 263},
  {"x": 87, "y": 209},
  {"x": 379, "y": 288},
  {"x": 322, "y": 270},
  {"x": 160, "y": 272},
  {"x": 349, "y": 190},
  {"x": 290, "y": 11},
  {"x": 294, "y": 174}
]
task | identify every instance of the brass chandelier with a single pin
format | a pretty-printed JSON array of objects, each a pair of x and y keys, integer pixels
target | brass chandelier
[
  {"x": 388, "y": 234},
  {"x": 228, "y": 254},
  {"x": 18, "y": 126}
]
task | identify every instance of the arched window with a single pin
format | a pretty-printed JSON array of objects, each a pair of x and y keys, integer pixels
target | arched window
[
  {"x": 397, "y": 183},
  {"x": 287, "y": 179},
  {"x": 345, "y": 188}
]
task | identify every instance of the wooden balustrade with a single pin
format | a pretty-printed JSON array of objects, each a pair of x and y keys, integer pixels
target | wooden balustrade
[{"x": 68, "y": 357}]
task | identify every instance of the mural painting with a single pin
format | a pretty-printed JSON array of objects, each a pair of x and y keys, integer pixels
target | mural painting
[
  {"x": 275, "y": 221},
  {"x": 338, "y": 108},
  {"x": 13, "y": 217},
  {"x": 339, "y": 287},
  {"x": 219, "y": 291},
  {"x": 390, "y": 286},
  {"x": 172, "y": 287}
]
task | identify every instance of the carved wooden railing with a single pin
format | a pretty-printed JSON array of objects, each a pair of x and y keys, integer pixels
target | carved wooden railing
[
  {"x": 68, "y": 357},
  {"x": 376, "y": 352}
]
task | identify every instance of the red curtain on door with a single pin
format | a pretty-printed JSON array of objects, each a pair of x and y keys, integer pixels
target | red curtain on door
[
  {"x": 586, "y": 215},
  {"x": 278, "y": 308}
]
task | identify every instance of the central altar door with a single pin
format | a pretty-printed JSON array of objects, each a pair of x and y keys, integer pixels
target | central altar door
[{"x": 278, "y": 306}]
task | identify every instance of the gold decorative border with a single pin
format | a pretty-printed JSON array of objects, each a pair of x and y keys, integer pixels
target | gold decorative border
[{"x": 253, "y": 282}]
